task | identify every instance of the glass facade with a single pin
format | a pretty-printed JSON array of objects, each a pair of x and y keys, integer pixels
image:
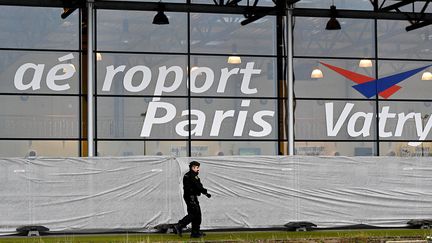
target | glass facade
[
  {"x": 40, "y": 97},
  {"x": 206, "y": 85},
  {"x": 354, "y": 109},
  {"x": 169, "y": 89}
]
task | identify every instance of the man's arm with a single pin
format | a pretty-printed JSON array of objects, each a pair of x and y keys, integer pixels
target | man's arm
[
  {"x": 201, "y": 188},
  {"x": 188, "y": 185}
]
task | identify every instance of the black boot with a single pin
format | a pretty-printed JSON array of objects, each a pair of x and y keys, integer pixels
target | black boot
[
  {"x": 198, "y": 235},
  {"x": 178, "y": 229}
]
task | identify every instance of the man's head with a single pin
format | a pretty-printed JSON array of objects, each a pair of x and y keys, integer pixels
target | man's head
[{"x": 194, "y": 166}]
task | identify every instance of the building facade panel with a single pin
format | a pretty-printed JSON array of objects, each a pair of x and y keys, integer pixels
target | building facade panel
[{"x": 209, "y": 83}]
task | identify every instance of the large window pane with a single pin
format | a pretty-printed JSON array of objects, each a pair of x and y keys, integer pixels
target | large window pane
[
  {"x": 142, "y": 74},
  {"x": 39, "y": 72},
  {"x": 335, "y": 148},
  {"x": 234, "y": 118},
  {"x": 335, "y": 120},
  {"x": 333, "y": 84},
  {"x": 134, "y": 31},
  {"x": 395, "y": 42},
  {"x": 39, "y": 117},
  {"x": 403, "y": 149},
  {"x": 355, "y": 39},
  {"x": 228, "y": 148},
  {"x": 23, "y": 148},
  {"x": 131, "y": 148},
  {"x": 405, "y": 120},
  {"x": 120, "y": 117},
  {"x": 223, "y": 34},
  {"x": 409, "y": 87},
  {"x": 39, "y": 28},
  {"x": 253, "y": 77}
]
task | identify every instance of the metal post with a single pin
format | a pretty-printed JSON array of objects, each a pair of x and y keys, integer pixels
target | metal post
[
  {"x": 90, "y": 72},
  {"x": 289, "y": 75}
]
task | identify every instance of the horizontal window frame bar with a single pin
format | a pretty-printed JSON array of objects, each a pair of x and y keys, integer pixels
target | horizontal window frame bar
[
  {"x": 357, "y": 58},
  {"x": 186, "y": 140},
  {"x": 152, "y": 6},
  {"x": 42, "y": 139},
  {"x": 211, "y": 8},
  {"x": 33, "y": 3},
  {"x": 358, "y": 14},
  {"x": 193, "y": 97},
  {"x": 38, "y": 50},
  {"x": 186, "y": 7},
  {"x": 363, "y": 140},
  {"x": 335, "y": 140},
  {"x": 41, "y": 94},
  {"x": 182, "y": 53},
  {"x": 359, "y": 99}
]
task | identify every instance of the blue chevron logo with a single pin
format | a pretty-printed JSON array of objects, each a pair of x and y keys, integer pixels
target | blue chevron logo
[{"x": 374, "y": 87}]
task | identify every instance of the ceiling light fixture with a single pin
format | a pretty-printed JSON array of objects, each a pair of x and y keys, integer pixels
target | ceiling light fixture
[
  {"x": 98, "y": 56},
  {"x": 194, "y": 68},
  {"x": 427, "y": 76},
  {"x": 317, "y": 73},
  {"x": 69, "y": 68},
  {"x": 195, "y": 65},
  {"x": 365, "y": 63},
  {"x": 160, "y": 18},
  {"x": 333, "y": 23},
  {"x": 234, "y": 59}
]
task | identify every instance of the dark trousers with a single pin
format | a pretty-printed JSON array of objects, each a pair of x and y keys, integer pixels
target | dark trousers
[{"x": 194, "y": 214}]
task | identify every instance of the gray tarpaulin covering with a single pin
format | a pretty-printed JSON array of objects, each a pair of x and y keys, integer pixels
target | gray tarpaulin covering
[{"x": 138, "y": 193}]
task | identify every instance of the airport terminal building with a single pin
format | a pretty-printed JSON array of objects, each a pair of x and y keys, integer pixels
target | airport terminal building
[
  {"x": 215, "y": 78},
  {"x": 298, "y": 110}
]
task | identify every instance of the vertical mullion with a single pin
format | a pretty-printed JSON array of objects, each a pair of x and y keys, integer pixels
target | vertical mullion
[
  {"x": 95, "y": 81},
  {"x": 377, "y": 142},
  {"x": 188, "y": 85},
  {"x": 90, "y": 59},
  {"x": 80, "y": 110},
  {"x": 289, "y": 73},
  {"x": 280, "y": 78}
]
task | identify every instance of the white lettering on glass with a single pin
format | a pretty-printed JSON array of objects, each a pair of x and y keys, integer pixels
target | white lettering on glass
[{"x": 422, "y": 127}]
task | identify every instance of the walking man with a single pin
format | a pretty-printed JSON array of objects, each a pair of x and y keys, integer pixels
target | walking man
[{"x": 192, "y": 188}]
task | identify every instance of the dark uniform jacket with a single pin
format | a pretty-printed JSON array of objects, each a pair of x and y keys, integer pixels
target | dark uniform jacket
[{"x": 192, "y": 185}]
